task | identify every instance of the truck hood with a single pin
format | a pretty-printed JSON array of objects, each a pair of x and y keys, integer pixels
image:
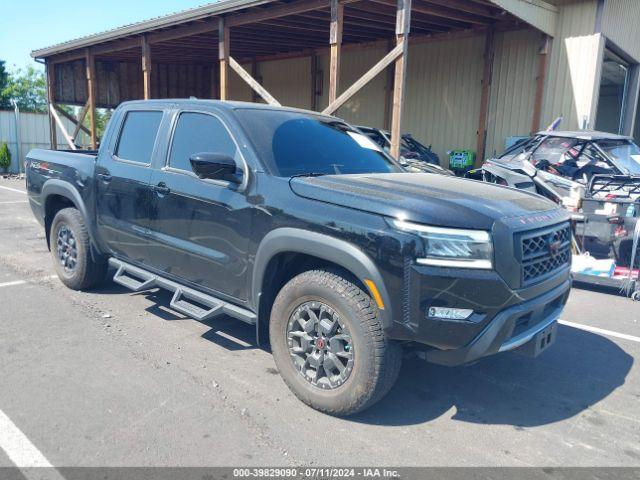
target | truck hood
[{"x": 423, "y": 198}]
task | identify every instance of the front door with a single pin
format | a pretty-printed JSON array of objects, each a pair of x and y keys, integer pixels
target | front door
[
  {"x": 122, "y": 187},
  {"x": 200, "y": 229}
]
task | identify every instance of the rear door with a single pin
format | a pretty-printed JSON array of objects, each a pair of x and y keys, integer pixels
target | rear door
[
  {"x": 122, "y": 185},
  {"x": 200, "y": 228}
]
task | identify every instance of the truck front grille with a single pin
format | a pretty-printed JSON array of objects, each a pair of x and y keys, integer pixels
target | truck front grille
[{"x": 543, "y": 252}]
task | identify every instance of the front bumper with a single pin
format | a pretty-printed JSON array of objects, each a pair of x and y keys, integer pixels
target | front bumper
[
  {"x": 503, "y": 318},
  {"x": 510, "y": 329}
]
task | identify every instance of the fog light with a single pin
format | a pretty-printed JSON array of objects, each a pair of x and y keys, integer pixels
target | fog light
[{"x": 450, "y": 313}]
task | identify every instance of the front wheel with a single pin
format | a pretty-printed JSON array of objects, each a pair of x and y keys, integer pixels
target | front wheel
[
  {"x": 329, "y": 346},
  {"x": 70, "y": 248}
]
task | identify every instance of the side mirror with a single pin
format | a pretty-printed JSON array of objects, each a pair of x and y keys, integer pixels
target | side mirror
[{"x": 214, "y": 166}]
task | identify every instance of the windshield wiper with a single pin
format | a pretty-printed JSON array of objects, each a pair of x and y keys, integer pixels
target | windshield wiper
[{"x": 309, "y": 174}]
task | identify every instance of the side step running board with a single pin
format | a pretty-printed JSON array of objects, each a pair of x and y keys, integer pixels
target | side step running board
[{"x": 197, "y": 305}]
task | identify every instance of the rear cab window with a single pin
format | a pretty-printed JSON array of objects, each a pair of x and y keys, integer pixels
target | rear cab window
[{"x": 138, "y": 136}]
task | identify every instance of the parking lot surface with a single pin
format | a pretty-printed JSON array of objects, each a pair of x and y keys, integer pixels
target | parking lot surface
[{"x": 114, "y": 378}]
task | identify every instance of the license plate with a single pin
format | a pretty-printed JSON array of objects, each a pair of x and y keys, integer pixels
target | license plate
[{"x": 540, "y": 342}]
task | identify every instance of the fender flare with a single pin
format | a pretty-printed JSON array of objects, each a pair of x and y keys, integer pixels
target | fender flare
[
  {"x": 322, "y": 246},
  {"x": 64, "y": 189},
  {"x": 55, "y": 186}
]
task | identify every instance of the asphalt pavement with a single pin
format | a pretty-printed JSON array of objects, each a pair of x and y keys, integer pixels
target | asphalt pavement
[{"x": 114, "y": 378}]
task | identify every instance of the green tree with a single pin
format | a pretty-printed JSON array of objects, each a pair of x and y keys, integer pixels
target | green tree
[
  {"x": 4, "y": 81},
  {"x": 28, "y": 88},
  {"x": 5, "y": 157}
]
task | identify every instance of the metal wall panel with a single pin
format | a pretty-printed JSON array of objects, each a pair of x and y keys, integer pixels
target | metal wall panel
[
  {"x": 289, "y": 81},
  {"x": 444, "y": 85},
  {"x": 513, "y": 87},
  {"x": 574, "y": 67},
  {"x": 620, "y": 24},
  {"x": 34, "y": 133},
  {"x": 239, "y": 90}
]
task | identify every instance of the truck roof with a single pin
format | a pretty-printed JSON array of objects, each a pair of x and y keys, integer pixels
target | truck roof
[{"x": 224, "y": 104}]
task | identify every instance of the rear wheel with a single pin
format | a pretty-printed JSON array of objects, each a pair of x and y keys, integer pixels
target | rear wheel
[
  {"x": 70, "y": 248},
  {"x": 328, "y": 344}
]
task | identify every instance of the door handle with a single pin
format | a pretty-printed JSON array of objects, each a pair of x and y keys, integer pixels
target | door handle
[
  {"x": 161, "y": 189},
  {"x": 105, "y": 177}
]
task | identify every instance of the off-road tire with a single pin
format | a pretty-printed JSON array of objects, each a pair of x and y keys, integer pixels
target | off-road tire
[
  {"x": 89, "y": 272},
  {"x": 377, "y": 359}
]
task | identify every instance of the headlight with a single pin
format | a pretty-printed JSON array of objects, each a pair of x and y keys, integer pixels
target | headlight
[{"x": 452, "y": 247}]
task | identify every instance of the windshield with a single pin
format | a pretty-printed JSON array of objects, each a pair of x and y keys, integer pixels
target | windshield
[
  {"x": 296, "y": 143},
  {"x": 624, "y": 153}
]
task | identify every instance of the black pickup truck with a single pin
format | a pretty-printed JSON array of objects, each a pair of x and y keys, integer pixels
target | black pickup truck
[{"x": 298, "y": 224}]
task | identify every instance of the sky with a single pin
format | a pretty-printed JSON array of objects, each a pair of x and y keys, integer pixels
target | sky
[{"x": 27, "y": 25}]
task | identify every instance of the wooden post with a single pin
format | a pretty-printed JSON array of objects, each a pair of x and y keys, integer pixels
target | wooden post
[
  {"x": 388, "y": 91},
  {"x": 403, "y": 23},
  {"x": 146, "y": 67},
  {"x": 223, "y": 56},
  {"x": 215, "y": 93},
  {"x": 543, "y": 62},
  {"x": 314, "y": 81},
  {"x": 484, "y": 98},
  {"x": 53, "y": 132},
  {"x": 91, "y": 91},
  {"x": 335, "y": 41},
  {"x": 254, "y": 73}
]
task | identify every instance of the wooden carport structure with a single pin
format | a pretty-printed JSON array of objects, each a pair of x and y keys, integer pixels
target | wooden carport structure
[{"x": 192, "y": 53}]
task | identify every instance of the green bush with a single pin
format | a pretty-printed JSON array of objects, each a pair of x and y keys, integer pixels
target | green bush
[{"x": 5, "y": 157}]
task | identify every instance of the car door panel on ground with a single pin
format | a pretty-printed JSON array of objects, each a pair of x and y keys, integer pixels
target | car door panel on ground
[
  {"x": 122, "y": 178},
  {"x": 199, "y": 229}
]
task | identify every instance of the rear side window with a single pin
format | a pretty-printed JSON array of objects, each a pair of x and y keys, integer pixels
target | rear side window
[
  {"x": 200, "y": 133},
  {"x": 138, "y": 136}
]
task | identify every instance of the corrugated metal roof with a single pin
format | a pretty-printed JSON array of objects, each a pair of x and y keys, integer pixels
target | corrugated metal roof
[{"x": 197, "y": 13}]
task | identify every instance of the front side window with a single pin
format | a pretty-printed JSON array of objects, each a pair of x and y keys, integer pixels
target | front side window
[
  {"x": 138, "y": 136},
  {"x": 296, "y": 143},
  {"x": 200, "y": 133}
]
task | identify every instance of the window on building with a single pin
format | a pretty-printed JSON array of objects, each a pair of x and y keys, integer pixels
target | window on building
[
  {"x": 138, "y": 136},
  {"x": 200, "y": 133}
]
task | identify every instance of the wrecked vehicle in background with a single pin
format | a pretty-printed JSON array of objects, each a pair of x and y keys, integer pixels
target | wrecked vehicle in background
[
  {"x": 414, "y": 156},
  {"x": 595, "y": 175}
]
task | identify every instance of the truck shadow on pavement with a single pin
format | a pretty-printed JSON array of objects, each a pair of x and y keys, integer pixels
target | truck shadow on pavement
[
  {"x": 508, "y": 389},
  {"x": 580, "y": 370}
]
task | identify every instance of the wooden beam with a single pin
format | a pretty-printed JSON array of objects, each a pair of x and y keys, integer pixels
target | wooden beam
[
  {"x": 366, "y": 78},
  {"x": 223, "y": 56},
  {"x": 403, "y": 24},
  {"x": 299, "y": 6},
  {"x": 80, "y": 124},
  {"x": 72, "y": 119},
  {"x": 335, "y": 42},
  {"x": 91, "y": 91},
  {"x": 244, "y": 75},
  {"x": 53, "y": 132},
  {"x": 146, "y": 67},
  {"x": 181, "y": 32},
  {"x": 487, "y": 73},
  {"x": 53, "y": 109},
  {"x": 543, "y": 62}
]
